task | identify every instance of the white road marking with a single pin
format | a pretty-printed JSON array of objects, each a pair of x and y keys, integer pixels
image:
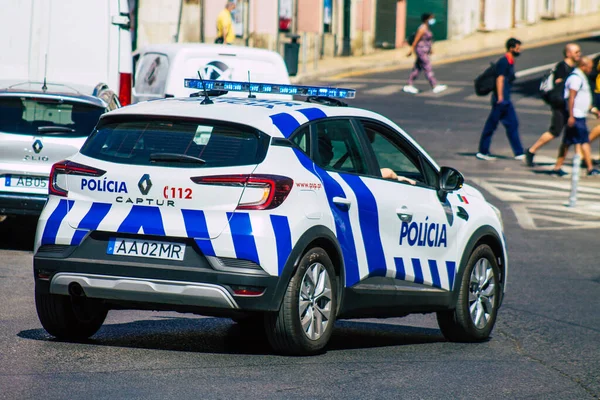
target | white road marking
[
  {"x": 542, "y": 204},
  {"x": 535, "y": 70},
  {"x": 481, "y": 106},
  {"x": 451, "y": 90},
  {"x": 385, "y": 90}
]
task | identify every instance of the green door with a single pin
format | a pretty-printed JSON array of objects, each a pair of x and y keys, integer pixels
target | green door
[
  {"x": 385, "y": 24},
  {"x": 414, "y": 10}
]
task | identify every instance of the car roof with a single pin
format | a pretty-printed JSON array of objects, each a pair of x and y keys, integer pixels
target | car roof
[
  {"x": 259, "y": 113},
  {"x": 173, "y": 49},
  {"x": 83, "y": 93}
]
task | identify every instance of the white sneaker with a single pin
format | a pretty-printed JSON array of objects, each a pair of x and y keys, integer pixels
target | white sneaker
[
  {"x": 520, "y": 157},
  {"x": 439, "y": 88},
  {"x": 486, "y": 157},
  {"x": 410, "y": 89}
]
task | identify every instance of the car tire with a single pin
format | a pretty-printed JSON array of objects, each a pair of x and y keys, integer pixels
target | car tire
[
  {"x": 69, "y": 319},
  {"x": 478, "y": 300},
  {"x": 305, "y": 320}
]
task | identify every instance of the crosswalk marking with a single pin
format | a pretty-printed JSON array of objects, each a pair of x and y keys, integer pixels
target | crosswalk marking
[
  {"x": 451, "y": 90},
  {"x": 385, "y": 90}
]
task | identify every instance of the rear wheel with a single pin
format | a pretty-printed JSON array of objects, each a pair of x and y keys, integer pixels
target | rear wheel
[
  {"x": 305, "y": 320},
  {"x": 478, "y": 300},
  {"x": 69, "y": 318}
]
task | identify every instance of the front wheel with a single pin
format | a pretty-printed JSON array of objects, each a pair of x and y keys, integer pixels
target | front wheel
[
  {"x": 478, "y": 300},
  {"x": 69, "y": 318},
  {"x": 305, "y": 320}
]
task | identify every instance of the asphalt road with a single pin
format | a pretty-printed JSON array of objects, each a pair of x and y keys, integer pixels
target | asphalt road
[{"x": 546, "y": 343}]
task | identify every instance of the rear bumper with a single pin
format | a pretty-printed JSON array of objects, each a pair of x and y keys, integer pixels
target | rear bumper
[
  {"x": 21, "y": 204},
  {"x": 193, "y": 285}
]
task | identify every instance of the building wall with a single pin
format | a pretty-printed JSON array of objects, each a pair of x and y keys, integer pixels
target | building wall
[{"x": 463, "y": 17}]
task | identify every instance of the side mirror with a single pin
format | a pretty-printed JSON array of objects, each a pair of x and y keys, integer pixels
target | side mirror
[{"x": 449, "y": 180}]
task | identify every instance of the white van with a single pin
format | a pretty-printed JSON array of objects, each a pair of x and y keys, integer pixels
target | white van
[
  {"x": 161, "y": 69},
  {"x": 74, "y": 42}
]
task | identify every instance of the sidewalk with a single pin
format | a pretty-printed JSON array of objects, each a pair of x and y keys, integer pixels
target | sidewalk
[{"x": 479, "y": 44}]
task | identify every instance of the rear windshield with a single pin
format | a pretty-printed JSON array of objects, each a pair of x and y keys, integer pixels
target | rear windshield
[
  {"x": 47, "y": 117},
  {"x": 202, "y": 144}
]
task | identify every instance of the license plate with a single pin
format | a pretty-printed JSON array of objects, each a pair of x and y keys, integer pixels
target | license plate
[
  {"x": 25, "y": 181},
  {"x": 146, "y": 248}
]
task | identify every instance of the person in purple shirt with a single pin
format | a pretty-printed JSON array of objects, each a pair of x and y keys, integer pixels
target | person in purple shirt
[{"x": 502, "y": 107}]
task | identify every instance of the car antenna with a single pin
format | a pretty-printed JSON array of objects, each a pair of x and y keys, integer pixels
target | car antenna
[
  {"x": 207, "y": 99},
  {"x": 250, "y": 95},
  {"x": 44, "y": 86}
]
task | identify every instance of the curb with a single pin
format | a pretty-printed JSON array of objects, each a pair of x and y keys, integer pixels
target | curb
[{"x": 361, "y": 65}]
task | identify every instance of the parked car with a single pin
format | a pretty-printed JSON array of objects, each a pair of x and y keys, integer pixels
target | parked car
[
  {"x": 160, "y": 69},
  {"x": 66, "y": 41},
  {"x": 41, "y": 124},
  {"x": 274, "y": 212}
]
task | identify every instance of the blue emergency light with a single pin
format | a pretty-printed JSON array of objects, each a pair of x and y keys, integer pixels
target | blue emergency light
[{"x": 270, "y": 88}]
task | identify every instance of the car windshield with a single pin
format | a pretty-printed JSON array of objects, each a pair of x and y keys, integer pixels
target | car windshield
[
  {"x": 42, "y": 116},
  {"x": 176, "y": 143}
]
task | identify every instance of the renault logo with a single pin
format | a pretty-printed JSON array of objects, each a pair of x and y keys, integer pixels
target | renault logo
[
  {"x": 145, "y": 184},
  {"x": 37, "y": 146}
]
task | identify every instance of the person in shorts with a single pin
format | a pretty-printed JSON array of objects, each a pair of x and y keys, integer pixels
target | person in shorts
[
  {"x": 578, "y": 97},
  {"x": 572, "y": 55}
]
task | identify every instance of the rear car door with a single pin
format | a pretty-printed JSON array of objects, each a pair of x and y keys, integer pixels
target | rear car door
[
  {"x": 37, "y": 131},
  {"x": 419, "y": 230}
]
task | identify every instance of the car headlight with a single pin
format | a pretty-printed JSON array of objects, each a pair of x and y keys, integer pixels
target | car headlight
[{"x": 498, "y": 214}]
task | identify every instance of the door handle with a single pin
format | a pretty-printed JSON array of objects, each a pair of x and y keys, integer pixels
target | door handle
[
  {"x": 404, "y": 214},
  {"x": 342, "y": 201}
]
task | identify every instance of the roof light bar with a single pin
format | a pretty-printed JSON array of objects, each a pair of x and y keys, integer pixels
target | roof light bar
[{"x": 271, "y": 88}]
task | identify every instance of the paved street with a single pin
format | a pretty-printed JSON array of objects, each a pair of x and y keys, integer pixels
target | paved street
[{"x": 546, "y": 343}]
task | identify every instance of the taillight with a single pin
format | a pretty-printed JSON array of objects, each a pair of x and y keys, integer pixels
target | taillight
[
  {"x": 68, "y": 168},
  {"x": 275, "y": 188},
  {"x": 124, "y": 88}
]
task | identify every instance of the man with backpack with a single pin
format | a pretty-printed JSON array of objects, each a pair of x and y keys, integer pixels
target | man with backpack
[
  {"x": 502, "y": 107},
  {"x": 552, "y": 89}
]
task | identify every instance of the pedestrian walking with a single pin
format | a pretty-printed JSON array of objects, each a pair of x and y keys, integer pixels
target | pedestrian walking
[
  {"x": 578, "y": 96},
  {"x": 572, "y": 55},
  {"x": 225, "y": 31},
  {"x": 502, "y": 107},
  {"x": 422, "y": 47}
]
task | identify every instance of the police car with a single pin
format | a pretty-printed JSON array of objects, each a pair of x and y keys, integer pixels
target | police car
[{"x": 273, "y": 213}]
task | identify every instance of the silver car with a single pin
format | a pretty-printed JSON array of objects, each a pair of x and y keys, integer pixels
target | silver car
[{"x": 41, "y": 124}]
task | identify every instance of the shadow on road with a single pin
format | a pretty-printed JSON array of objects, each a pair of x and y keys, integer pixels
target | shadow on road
[
  {"x": 18, "y": 233},
  {"x": 221, "y": 335}
]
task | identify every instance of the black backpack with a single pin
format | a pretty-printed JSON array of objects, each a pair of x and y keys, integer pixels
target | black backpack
[{"x": 485, "y": 83}]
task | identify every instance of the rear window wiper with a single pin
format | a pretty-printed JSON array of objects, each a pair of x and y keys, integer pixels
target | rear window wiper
[
  {"x": 55, "y": 129},
  {"x": 175, "y": 157}
]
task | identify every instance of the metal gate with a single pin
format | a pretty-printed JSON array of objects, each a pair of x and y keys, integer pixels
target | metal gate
[{"x": 385, "y": 24}]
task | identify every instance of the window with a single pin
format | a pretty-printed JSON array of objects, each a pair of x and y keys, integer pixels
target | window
[
  {"x": 136, "y": 142},
  {"x": 337, "y": 147},
  {"x": 302, "y": 140},
  {"x": 151, "y": 76},
  {"x": 390, "y": 153},
  {"x": 42, "y": 116}
]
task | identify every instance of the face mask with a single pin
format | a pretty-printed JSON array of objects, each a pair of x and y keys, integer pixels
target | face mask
[
  {"x": 432, "y": 21},
  {"x": 516, "y": 53}
]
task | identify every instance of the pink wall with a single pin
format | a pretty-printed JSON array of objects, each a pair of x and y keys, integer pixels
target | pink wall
[
  {"x": 263, "y": 16},
  {"x": 310, "y": 15},
  {"x": 364, "y": 15},
  {"x": 400, "y": 23}
]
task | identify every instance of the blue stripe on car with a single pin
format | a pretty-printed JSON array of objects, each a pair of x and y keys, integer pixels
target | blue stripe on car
[
  {"x": 283, "y": 239},
  {"x": 243, "y": 239},
  {"x": 451, "y": 268},
  {"x": 145, "y": 217},
  {"x": 90, "y": 222},
  {"x": 369, "y": 224},
  {"x": 55, "y": 220},
  {"x": 285, "y": 123},
  {"x": 196, "y": 227},
  {"x": 435, "y": 274},
  {"x": 313, "y": 113},
  {"x": 418, "y": 271},
  {"x": 400, "y": 270}
]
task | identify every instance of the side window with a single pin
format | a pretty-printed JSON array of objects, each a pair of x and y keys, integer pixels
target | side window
[
  {"x": 151, "y": 75},
  {"x": 302, "y": 140},
  {"x": 391, "y": 153},
  {"x": 338, "y": 147}
]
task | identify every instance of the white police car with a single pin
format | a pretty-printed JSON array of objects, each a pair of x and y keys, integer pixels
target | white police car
[{"x": 262, "y": 210}]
